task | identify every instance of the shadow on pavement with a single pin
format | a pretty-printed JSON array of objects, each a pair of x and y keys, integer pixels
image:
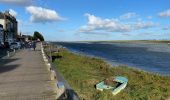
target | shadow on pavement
[
  {"x": 8, "y": 68},
  {"x": 5, "y": 66},
  {"x": 3, "y": 52}
]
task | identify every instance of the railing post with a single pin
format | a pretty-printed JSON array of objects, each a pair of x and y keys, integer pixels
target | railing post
[
  {"x": 53, "y": 75},
  {"x": 14, "y": 50},
  {"x": 8, "y": 53},
  {"x": 48, "y": 66}
]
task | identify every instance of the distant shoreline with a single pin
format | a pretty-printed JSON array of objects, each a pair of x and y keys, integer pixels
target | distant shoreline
[{"x": 120, "y": 41}]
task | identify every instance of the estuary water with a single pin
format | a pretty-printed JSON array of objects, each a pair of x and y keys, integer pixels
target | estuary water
[{"x": 151, "y": 57}]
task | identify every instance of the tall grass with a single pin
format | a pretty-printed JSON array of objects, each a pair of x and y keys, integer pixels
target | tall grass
[{"x": 83, "y": 72}]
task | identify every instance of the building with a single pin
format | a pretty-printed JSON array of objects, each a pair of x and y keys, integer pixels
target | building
[
  {"x": 1, "y": 35},
  {"x": 10, "y": 26},
  {"x": 24, "y": 38}
]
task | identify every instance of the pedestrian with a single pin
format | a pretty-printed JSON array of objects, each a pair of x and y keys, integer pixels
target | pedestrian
[
  {"x": 34, "y": 45},
  {"x": 30, "y": 45}
]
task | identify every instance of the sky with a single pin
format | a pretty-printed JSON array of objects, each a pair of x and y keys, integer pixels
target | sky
[{"x": 92, "y": 20}]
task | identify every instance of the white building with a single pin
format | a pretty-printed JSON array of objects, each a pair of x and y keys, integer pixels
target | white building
[{"x": 10, "y": 26}]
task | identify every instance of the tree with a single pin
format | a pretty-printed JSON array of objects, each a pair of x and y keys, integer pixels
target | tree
[{"x": 38, "y": 35}]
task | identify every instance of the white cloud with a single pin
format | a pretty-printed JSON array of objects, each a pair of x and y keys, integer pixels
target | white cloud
[
  {"x": 13, "y": 12},
  {"x": 39, "y": 14},
  {"x": 149, "y": 17},
  {"x": 126, "y": 34},
  {"x": 145, "y": 34},
  {"x": 99, "y": 25},
  {"x": 128, "y": 15},
  {"x": 144, "y": 25},
  {"x": 164, "y": 13},
  {"x": 97, "y": 33},
  {"x": 166, "y": 28},
  {"x": 17, "y": 2},
  {"x": 108, "y": 25}
]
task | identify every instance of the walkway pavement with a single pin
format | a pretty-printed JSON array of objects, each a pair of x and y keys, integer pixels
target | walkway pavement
[{"x": 25, "y": 77}]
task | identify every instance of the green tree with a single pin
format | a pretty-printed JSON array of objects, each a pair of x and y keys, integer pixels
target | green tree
[{"x": 38, "y": 35}]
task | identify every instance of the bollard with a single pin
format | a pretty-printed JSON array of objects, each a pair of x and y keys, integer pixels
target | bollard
[
  {"x": 53, "y": 75},
  {"x": 14, "y": 50},
  {"x": 41, "y": 45},
  {"x": 48, "y": 66},
  {"x": 46, "y": 60},
  {"x": 44, "y": 57},
  {"x": 8, "y": 53}
]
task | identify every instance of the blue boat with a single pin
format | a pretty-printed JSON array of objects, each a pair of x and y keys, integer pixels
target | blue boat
[{"x": 115, "y": 84}]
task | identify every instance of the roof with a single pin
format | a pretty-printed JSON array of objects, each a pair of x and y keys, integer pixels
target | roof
[{"x": 8, "y": 16}]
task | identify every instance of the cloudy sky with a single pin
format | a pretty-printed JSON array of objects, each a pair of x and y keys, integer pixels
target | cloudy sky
[{"x": 76, "y": 20}]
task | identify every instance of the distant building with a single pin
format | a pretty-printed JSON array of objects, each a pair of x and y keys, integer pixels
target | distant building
[
  {"x": 1, "y": 35},
  {"x": 10, "y": 26},
  {"x": 24, "y": 38}
]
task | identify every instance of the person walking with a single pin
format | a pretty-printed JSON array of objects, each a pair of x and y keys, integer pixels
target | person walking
[{"x": 34, "y": 45}]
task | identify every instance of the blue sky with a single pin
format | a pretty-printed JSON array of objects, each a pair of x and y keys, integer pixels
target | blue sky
[{"x": 84, "y": 20}]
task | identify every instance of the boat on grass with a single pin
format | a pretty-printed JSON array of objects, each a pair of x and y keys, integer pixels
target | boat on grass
[{"x": 115, "y": 84}]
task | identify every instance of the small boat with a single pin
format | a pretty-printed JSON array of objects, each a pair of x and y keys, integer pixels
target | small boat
[{"x": 115, "y": 84}]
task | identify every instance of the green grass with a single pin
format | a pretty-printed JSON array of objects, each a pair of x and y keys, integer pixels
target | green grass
[{"x": 83, "y": 72}]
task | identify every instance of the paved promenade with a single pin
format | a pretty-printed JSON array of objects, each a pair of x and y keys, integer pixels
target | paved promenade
[{"x": 25, "y": 77}]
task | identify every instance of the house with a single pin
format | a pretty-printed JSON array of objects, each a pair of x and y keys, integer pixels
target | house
[
  {"x": 24, "y": 38},
  {"x": 10, "y": 26},
  {"x": 1, "y": 35}
]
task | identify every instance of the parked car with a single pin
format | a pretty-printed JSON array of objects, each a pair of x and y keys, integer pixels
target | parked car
[{"x": 15, "y": 45}]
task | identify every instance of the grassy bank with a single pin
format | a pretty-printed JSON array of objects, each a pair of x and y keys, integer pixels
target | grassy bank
[{"x": 82, "y": 73}]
